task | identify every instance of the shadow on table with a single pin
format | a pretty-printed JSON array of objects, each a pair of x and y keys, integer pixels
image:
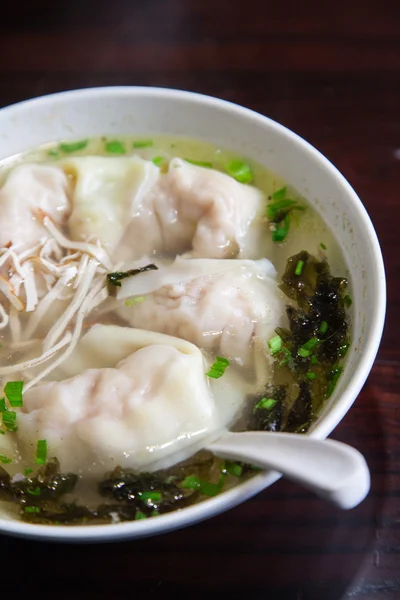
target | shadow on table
[{"x": 285, "y": 544}]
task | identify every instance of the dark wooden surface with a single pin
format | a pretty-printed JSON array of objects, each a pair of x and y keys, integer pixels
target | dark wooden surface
[{"x": 330, "y": 71}]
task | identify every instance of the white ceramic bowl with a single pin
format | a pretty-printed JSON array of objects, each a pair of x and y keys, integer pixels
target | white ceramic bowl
[{"x": 148, "y": 111}]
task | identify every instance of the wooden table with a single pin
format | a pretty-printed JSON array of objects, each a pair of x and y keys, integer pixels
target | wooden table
[{"x": 330, "y": 72}]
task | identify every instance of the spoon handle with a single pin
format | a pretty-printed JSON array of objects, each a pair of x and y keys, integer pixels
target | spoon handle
[{"x": 335, "y": 471}]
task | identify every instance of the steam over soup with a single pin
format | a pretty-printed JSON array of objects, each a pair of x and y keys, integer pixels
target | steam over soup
[{"x": 153, "y": 294}]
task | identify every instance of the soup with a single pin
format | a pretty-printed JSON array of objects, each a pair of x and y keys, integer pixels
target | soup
[{"x": 154, "y": 293}]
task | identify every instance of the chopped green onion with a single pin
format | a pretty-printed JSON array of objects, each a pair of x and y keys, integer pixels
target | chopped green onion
[
  {"x": 323, "y": 246},
  {"x": 28, "y": 471},
  {"x": 32, "y": 509},
  {"x": 53, "y": 152},
  {"x": 275, "y": 344},
  {"x": 299, "y": 267},
  {"x": 142, "y": 144},
  {"x": 335, "y": 374},
  {"x": 276, "y": 211},
  {"x": 115, "y": 147},
  {"x": 5, "y": 460},
  {"x": 73, "y": 146},
  {"x": 218, "y": 367},
  {"x": 152, "y": 496},
  {"x": 140, "y": 515},
  {"x": 288, "y": 355},
  {"x": 199, "y": 163},
  {"x": 41, "y": 452},
  {"x": 240, "y": 171},
  {"x": 2, "y": 432},
  {"x": 34, "y": 491},
  {"x": 13, "y": 391},
  {"x": 158, "y": 160},
  {"x": 279, "y": 194},
  {"x": 3, "y": 406},
  {"x": 266, "y": 403},
  {"x": 314, "y": 360},
  {"x": 154, "y": 513},
  {"x": 233, "y": 468},
  {"x": 280, "y": 233},
  {"x": 9, "y": 418},
  {"x": 347, "y": 300},
  {"x": 135, "y": 300},
  {"x": 343, "y": 349},
  {"x": 192, "y": 482},
  {"x": 311, "y": 375},
  {"x": 305, "y": 350},
  {"x": 323, "y": 328}
]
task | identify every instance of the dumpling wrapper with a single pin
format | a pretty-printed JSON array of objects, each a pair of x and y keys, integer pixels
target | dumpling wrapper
[
  {"x": 201, "y": 211},
  {"x": 137, "y": 399},
  {"x": 27, "y": 188},
  {"x": 105, "y": 194},
  {"x": 219, "y": 305}
]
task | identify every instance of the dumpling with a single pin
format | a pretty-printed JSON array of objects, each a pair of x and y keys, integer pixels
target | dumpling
[
  {"x": 105, "y": 194},
  {"x": 202, "y": 211},
  {"x": 27, "y": 188},
  {"x": 142, "y": 401},
  {"x": 219, "y": 305}
]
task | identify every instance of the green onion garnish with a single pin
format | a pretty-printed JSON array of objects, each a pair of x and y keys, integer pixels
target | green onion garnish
[
  {"x": 276, "y": 211},
  {"x": 53, "y": 152},
  {"x": 34, "y": 491},
  {"x": 323, "y": 328},
  {"x": 9, "y": 418},
  {"x": 73, "y": 146},
  {"x": 347, "y": 300},
  {"x": 266, "y": 403},
  {"x": 5, "y": 460},
  {"x": 311, "y": 375},
  {"x": 135, "y": 300},
  {"x": 305, "y": 349},
  {"x": 41, "y": 452},
  {"x": 140, "y": 515},
  {"x": 28, "y": 471},
  {"x": 240, "y": 171},
  {"x": 151, "y": 496},
  {"x": 191, "y": 482},
  {"x": 199, "y": 163},
  {"x": 115, "y": 147},
  {"x": 154, "y": 513},
  {"x": 218, "y": 367},
  {"x": 2, "y": 432},
  {"x": 280, "y": 232},
  {"x": 158, "y": 160},
  {"x": 288, "y": 356},
  {"x": 3, "y": 406},
  {"x": 275, "y": 344},
  {"x": 279, "y": 194},
  {"x": 343, "y": 349},
  {"x": 32, "y": 509},
  {"x": 314, "y": 360},
  {"x": 13, "y": 391},
  {"x": 335, "y": 374},
  {"x": 142, "y": 144},
  {"x": 233, "y": 468},
  {"x": 299, "y": 267},
  {"x": 323, "y": 246}
]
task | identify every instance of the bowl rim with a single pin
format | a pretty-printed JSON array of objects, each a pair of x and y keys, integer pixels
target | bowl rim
[{"x": 213, "y": 506}]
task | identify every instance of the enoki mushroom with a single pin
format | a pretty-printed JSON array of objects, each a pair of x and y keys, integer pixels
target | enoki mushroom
[{"x": 32, "y": 280}]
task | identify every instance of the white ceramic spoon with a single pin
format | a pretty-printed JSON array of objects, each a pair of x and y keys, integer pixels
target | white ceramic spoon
[{"x": 332, "y": 470}]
